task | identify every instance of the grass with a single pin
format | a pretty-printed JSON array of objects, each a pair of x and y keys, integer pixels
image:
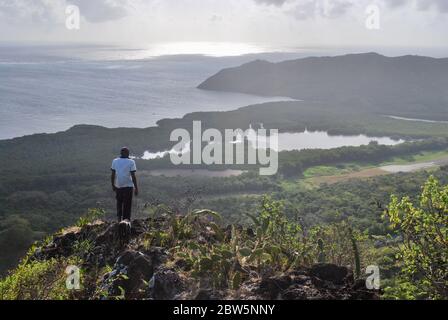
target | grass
[
  {"x": 315, "y": 176},
  {"x": 425, "y": 156},
  {"x": 380, "y": 125},
  {"x": 347, "y": 168},
  {"x": 320, "y": 171}
]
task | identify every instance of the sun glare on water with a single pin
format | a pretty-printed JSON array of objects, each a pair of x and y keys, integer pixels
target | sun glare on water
[{"x": 212, "y": 49}]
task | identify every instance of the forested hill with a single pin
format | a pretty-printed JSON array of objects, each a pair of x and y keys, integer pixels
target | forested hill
[{"x": 407, "y": 85}]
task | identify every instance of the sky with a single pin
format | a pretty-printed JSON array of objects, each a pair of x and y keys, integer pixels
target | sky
[{"x": 408, "y": 23}]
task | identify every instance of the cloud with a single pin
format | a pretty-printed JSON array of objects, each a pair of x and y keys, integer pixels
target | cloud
[
  {"x": 307, "y": 9},
  {"x": 277, "y": 3},
  {"x": 395, "y": 3},
  {"x": 98, "y": 11},
  {"x": 52, "y": 11},
  {"x": 439, "y": 5},
  {"x": 29, "y": 10},
  {"x": 334, "y": 8},
  {"x": 102, "y": 10}
]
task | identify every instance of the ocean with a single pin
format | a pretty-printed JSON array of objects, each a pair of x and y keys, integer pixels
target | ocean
[
  {"x": 46, "y": 89},
  {"x": 49, "y": 88}
]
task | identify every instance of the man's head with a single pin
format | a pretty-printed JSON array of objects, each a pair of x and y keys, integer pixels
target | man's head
[{"x": 124, "y": 152}]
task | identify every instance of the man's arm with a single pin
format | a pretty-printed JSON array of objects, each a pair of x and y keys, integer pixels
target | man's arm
[
  {"x": 112, "y": 180},
  {"x": 134, "y": 180}
]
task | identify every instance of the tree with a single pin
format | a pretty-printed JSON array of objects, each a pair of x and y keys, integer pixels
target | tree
[
  {"x": 16, "y": 235},
  {"x": 424, "y": 228}
]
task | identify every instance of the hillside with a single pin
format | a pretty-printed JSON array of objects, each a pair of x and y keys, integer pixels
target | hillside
[
  {"x": 407, "y": 85},
  {"x": 195, "y": 255},
  {"x": 178, "y": 257}
]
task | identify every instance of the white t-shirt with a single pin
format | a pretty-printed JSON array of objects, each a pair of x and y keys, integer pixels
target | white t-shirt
[{"x": 123, "y": 168}]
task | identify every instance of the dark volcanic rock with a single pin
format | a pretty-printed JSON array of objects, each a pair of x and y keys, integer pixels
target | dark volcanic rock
[
  {"x": 131, "y": 273},
  {"x": 331, "y": 273},
  {"x": 321, "y": 282},
  {"x": 109, "y": 236},
  {"x": 273, "y": 286},
  {"x": 166, "y": 284},
  {"x": 141, "y": 271},
  {"x": 158, "y": 255},
  {"x": 210, "y": 294},
  {"x": 138, "y": 227}
]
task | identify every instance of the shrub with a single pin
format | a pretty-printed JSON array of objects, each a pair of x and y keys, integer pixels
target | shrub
[
  {"x": 37, "y": 280},
  {"x": 424, "y": 250}
]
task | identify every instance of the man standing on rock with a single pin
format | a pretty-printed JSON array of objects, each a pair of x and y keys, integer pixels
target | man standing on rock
[{"x": 124, "y": 184}]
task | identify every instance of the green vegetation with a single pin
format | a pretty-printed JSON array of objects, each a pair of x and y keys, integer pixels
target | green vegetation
[
  {"x": 91, "y": 216},
  {"x": 277, "y": 224},
  {"x": 412, "y": 259},
  {"x": 27, "y": 214},
  {"x": 346, "y": 168},
  {"x": 201, "y": 248},
  {"x": 424, "y": 251},
  {"x": 423, "y": 156},
  {"x": 37, "y": 280},
  {"x": 316, "y": 162},
  {"x": 53, "y": 180},
  {"x": 278, "y": 244}
]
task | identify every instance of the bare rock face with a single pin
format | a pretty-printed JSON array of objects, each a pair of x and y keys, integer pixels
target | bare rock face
[
  {"x": 210, "y": 294},
  {"x": 316, "y": 283},
  {"x": 142, "y": 275},
  {"x": 166, "y": 284},
  {"x": 332, "y": 273},
  {"x": 111, "y": 235},
  {"x": 131, "y": 273},
  {"x": 62, "y": 244}
]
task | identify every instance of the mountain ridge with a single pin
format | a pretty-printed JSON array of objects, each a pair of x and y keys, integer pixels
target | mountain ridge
[{"x": 368, "y": 81}]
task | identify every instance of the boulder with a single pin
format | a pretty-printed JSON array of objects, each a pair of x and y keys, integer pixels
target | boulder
[
  {"x": 132, "y": 272},
  {"x": 166, "y": 284},
  {"x": 320, "y": 282},
  {"x": 332, "y": 273},
  {"x": 209, "y": 294}
]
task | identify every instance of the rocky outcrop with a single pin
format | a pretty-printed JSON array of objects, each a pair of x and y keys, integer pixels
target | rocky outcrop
[
  {"x": 131, "y": 274},
  {"x": 321, "y": 282},
  {"x": 138, "y": 265}
]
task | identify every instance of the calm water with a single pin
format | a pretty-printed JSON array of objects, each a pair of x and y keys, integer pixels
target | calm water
[
  {"x": 49, "y": 89},
  {"x": 322, "y": 140},
  {"x": 301, "y": 141}
]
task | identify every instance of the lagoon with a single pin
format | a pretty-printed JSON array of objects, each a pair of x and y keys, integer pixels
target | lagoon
[{"x": 301, "y": 141}]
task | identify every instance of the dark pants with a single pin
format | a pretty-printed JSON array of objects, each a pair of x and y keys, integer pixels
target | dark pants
[{"x": 124, "y": 203}]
